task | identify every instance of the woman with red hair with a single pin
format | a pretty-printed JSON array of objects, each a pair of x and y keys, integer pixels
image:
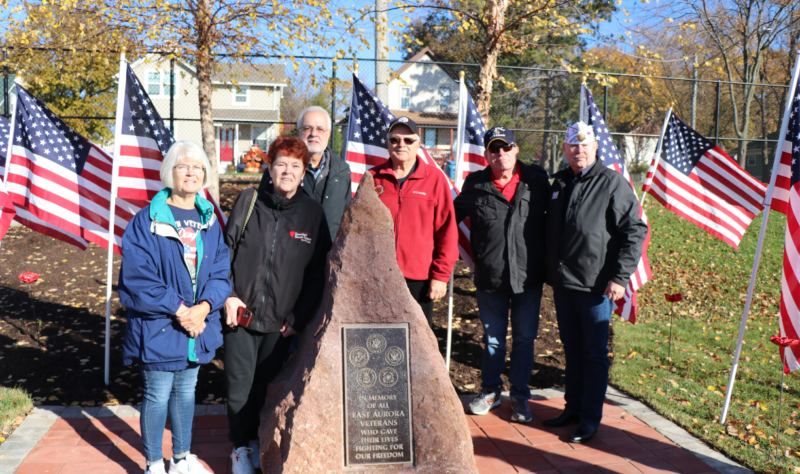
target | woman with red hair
[{"x": 278, "y": 242}]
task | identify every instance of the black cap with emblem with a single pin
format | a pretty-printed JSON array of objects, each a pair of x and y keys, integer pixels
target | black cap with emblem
[
  {"x": 404, "y": 121},
  {"x": 499, "y": 133}
]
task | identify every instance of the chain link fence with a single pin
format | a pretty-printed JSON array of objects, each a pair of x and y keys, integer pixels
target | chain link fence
[{"x": 254, "y": 102}]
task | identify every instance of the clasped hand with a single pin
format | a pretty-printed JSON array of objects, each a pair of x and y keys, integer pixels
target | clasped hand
[{"x": 193, "y": 320}]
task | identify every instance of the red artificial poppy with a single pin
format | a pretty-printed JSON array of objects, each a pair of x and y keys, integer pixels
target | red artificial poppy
[
  {"x": 28, "y": 277},
  {"x": 673, "y": 298},
  {"x": 784, "y": 341}
]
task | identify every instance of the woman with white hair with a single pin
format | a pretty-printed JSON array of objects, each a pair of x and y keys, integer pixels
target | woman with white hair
[{"x": 174, "y": 281}]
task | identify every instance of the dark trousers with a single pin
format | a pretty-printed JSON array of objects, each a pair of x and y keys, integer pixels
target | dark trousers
[
  {"x": 583, "y": 323},
  {"x": 419, "y": 290},
  {"x": 252, "y": 360}
]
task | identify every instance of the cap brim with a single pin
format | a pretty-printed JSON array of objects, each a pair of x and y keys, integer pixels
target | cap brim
[{"x": 497, "y": 139}]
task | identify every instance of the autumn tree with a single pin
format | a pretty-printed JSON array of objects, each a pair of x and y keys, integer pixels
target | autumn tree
[
  {"x": 739, "y": 35},
  {"x": 76, "y": 77},
  {"x": 203, "y": 32},
  {"x": 503, "y": 28}
]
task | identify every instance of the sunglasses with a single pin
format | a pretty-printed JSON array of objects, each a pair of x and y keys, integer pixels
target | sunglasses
[
  {"x": 497, "y": 148},
  {"x": 406, "y": 140}
]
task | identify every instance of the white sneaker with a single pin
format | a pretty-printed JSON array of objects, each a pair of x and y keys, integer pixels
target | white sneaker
[
  {"x": 156, "y": 468},
  {"x": 255, "y": 458},
  {"x": 241, "y": 461},
  {"x": 188, "y": 465}
]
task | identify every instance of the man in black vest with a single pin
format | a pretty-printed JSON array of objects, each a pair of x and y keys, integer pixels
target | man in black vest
[
  {"x": 594, "y": 242},
  {"x": 327, "y": 178}
]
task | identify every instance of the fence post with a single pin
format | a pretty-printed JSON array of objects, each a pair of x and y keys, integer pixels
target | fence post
[
  {"x": 333, "y": 106},
  {"x": 605, "y": 104},
  {"x": 5, "y": 83},
  {"x": 694, "y": 90},
  {"x": 716, "y": 114},
  {"x": 172, "y": 96}
]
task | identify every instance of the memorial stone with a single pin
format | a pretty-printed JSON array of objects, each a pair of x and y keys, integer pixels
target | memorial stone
[{"x": 366, "y": 390}]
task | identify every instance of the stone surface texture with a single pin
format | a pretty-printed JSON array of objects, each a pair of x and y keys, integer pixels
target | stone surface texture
[{"x": 302, "y": 427}]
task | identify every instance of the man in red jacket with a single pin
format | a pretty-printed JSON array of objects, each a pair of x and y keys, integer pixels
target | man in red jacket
[{"x": 418, "y": 196}]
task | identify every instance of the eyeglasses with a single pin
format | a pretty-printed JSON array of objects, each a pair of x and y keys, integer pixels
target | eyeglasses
[
  {"x": 185, "y": 168},
  {"x": 406, "y": 140},
  {"x": 497, "y": 148},
  {"x": 309, "y": 129}
]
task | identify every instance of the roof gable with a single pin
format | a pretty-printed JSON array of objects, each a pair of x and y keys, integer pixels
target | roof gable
[{"x": 427, "y": 53}]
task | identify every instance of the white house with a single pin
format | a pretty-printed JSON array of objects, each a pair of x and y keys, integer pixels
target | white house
[
  {"x": 245, "y": 103},
  {"x": 427, "y": 92}
]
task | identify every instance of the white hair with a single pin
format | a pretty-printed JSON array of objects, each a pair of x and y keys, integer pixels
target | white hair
[
  {"x": 313, "y": 108},
  {"x": 179, "y": 151}
]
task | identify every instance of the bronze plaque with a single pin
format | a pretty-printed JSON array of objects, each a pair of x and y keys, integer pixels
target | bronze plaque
[{"x": 377, "y": 395}]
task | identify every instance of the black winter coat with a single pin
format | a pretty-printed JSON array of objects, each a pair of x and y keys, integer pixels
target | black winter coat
[
  {"x": 600, "y": 236},
  {"x": 278, "y": 266},
  {"x": 507, "y": 239},
  {"x": 331, "y": 189}
]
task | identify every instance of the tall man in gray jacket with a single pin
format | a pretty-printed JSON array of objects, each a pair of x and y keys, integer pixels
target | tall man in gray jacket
[
  {"x": 327, "y": 178},
  {"x": 594, "y": 242}
]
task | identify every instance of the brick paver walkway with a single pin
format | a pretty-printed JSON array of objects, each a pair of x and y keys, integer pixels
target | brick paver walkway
[{"x": 94, "y": 442}]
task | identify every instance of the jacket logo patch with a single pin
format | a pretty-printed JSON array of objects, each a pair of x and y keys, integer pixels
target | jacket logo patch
[
  {"x": 555, "y": 195},
  {"x": 418, "y": 192},
  {"x": 379, "y": 189},
  {"x": 302, "y": 236}
]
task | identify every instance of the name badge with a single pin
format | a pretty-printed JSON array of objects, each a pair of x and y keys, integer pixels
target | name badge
[{"x": 555, "y": 195}]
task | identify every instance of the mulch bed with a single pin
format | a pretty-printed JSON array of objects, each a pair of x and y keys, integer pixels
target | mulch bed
[{"x": 52, "y": 336}]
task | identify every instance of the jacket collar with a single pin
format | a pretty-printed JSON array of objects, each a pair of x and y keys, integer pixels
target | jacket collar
[
  {"x": 385, "y": 170},
  {"x": 278, "y": 202},
  {"x": 160, "y": 211}
]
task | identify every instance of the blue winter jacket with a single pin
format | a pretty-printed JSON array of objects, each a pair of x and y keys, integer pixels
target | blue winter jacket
[{"x": 154, "y": 281}]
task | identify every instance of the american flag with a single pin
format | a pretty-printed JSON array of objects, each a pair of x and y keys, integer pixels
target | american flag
[
  {"x": 790, "y": 282},
  {"x": 6, "y": 206},
  {"x": 366, "y": 147},
  {"x": 698, "y": 181},
  {"x": 608, "y": 153},
  {"x": 471, "y": 130},
  {"x": 60, "y": 182},
  {"x": 142, "y": 144}
]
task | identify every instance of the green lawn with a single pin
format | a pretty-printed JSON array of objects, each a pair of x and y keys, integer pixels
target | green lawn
[
  {"x": 13, "y": 403},
  {"x": 713, "y": 278}
]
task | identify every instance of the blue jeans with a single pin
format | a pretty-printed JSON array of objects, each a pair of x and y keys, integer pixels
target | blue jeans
[
  {"x": 493, "y": 309},
  {"x": 583, "y": 322},
  {"x": 173, "y": 392}
]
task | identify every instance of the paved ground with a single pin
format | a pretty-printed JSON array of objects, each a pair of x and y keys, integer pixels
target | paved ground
[{"x": 632, "y": 439}]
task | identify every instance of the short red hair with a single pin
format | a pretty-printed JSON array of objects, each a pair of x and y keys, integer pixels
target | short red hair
[{"x": 289, "y": 146}]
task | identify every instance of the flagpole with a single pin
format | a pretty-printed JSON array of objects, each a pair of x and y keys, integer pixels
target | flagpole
[
  {"x": 656, "y": 157},
  {"x": 757, "y": 259},
  {"x": 13, "y": 120},
  {"x": 122, "y": 84},
  {"x": 462, "y": 102},
  {"x": 582, "y": 113}
]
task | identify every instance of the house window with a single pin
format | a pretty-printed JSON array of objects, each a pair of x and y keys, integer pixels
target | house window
[
  {"x": 405, "y": 97},
  {"x": 158, "y": 82},
  {"x": 154, "y": 83},
  {"x": 444, "y": 99},
  {"x": 261, "y": 137},
  {"x": 430, "y": 138},
  {"x": 241, "y": 95}
]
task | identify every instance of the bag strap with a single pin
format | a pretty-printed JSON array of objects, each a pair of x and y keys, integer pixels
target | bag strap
[{"x": 249, "y": 212}]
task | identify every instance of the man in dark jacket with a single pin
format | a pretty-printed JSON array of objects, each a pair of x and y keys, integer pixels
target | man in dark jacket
[
  {"x": 327, "y": 178},
  {"x": 594, "y": 242},
  {"x": 506, "y": 204}
]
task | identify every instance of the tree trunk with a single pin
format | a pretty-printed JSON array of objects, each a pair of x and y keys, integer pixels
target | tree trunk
[
  {"x": 548, "y": 161},
  {"x": 495, "y": 19},
  {"x": 205, "y": 65}
]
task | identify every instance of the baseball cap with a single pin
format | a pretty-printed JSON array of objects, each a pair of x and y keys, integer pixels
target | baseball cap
[
  {"x": 404, "y": 121},
  {"x": 499, "y": 133}
]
